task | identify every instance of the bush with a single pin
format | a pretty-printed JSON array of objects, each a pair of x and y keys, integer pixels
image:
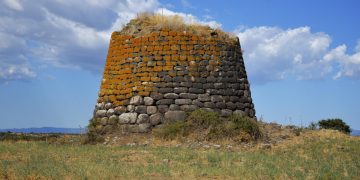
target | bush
[
  {"x": 208, "y": 125},
  {"x": 203, "y": 119},
  {"x": 246, "y": 124},
  {"x": 94, "y": 132},
  {"x": 313, "y": 126},
  {"x": 171, "y": 131},
  {"x": 336, "y": 124}
]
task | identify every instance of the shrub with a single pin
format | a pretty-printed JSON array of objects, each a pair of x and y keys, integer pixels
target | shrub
[
  {"x": 313, "y": 126},
  {"x": 94, "y": 132},
  {"x": 211, "y": 126},
  {"x": 247, "y": 124},
  {"x": 171, "y": 131},
  {"x": 203, "y": 119},
  {"x": 297, "y": 130},
  {"x": 336, "y": 124}
]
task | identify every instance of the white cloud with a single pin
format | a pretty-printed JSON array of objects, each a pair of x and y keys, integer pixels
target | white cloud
[
  {"x": 349, "y": 64},
  {"x": 9, "y": 72},
  {"x": 67, "y": 34},
  {"x": 75, "y": 34},
  {"x": 272, "y": 53},
  {"x": 14, "y": 4},
  {"x": 71, "y": 34}
]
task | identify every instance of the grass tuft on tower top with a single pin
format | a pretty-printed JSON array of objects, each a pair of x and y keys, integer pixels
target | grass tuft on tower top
[{"x": 146, "y": 23}]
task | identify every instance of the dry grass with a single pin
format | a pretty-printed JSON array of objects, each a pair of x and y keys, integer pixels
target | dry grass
[
  {"x": 145, "y": 23},
  {"x": 312, "y": 155}
]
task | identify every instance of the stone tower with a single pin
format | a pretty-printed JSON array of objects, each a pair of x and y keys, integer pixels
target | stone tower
[{"x": 161, "y": 75}]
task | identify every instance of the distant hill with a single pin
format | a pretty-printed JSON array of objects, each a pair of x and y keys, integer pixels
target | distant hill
[
  {"x": 355, "y": 132},
  {"x": 45, "y": 130}
]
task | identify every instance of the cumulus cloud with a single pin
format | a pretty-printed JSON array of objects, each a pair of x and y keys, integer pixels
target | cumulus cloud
[
  {"x": 349, "y": 63},
  {"x": 14, "y": 4},
  {"x": 75, "y": 34},
  {"x": 66, "y": 34},
  {"x": 15, "y": 72},
  {"x": 272, "y": 53},
  {"x": 71, "y": 34}
]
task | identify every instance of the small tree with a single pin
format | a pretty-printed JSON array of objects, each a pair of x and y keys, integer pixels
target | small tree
[{"x": 336, "y": 124}]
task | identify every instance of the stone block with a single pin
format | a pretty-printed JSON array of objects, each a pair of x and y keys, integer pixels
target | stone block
[
  {"x": 188, "y": 96},
  {"x": 100, "y": 105},
  {"x": 196, "y": 90},
  {"x": 186, "y": 84},
  {"x": 209, "y": 105},
  {"x": 219, "y": 85},
  {"x": 162, "y": 108},
  {"x": 175, "y": 116},
  {"x": 231, "y": 105},
  {"x": 151, "y": 109},
  {"x": 142, "y": 118},
  {"x": 148, "y": 101},
  {"x": 165, "y": 102},
  {"x": 166, "y": 90},
  {"x": 110, "y": 112},
  {"x": 217, "y": 98},
  {"x": 141, "y": 109},
  {"x": 208, "y": 86},
  {"x": 239, "y": 112},
  {"x": 127, "y": 118},
  {"x": 108, "y": 105},
  {"x": 104, "y": 121},
  {"x": 156, "y": 119},
  {"x": 100, "y": 113},
  {"x": 171, "y": 96},
  {"x": 113, "y": 119},
  {"x": 204, "y": 97},
  {"x": 136, "y": 100},
  {"x": 180, "y": 90},
  {"x": 198, "y": 103},
  {"x": 120, "y": 109},
  {"x": 197, "y": 85},
  {"x": 183, "y": 101},
  {"x": 188, "y": 108},
  {"x": 174, "y": 107},
  {"x": 220, "y": 105},
  {"x": 130, "y": 108},
  {"x": 234, "y": 99},
  {"x": 156, "y": 95},
  {"x": 226, "y": 112},
  {"x": 144, "y": 128}
]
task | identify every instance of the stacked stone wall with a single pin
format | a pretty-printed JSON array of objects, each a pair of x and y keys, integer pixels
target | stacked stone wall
[{"x": 159, "y": 77}]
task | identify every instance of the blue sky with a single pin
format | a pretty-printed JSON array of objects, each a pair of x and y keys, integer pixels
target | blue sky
[{"x": 302, "y": 57}]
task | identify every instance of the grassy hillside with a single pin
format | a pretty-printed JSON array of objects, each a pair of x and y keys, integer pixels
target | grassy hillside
[{"x": 312, "y": 155}]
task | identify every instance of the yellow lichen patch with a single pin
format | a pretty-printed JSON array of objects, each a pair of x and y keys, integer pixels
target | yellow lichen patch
[
  {"x": 133, "y": 64},
  {"x": 145, "y": 79}
]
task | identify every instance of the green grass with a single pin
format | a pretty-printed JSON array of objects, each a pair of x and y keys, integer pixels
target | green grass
[{"x": 326, "y": 158}]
